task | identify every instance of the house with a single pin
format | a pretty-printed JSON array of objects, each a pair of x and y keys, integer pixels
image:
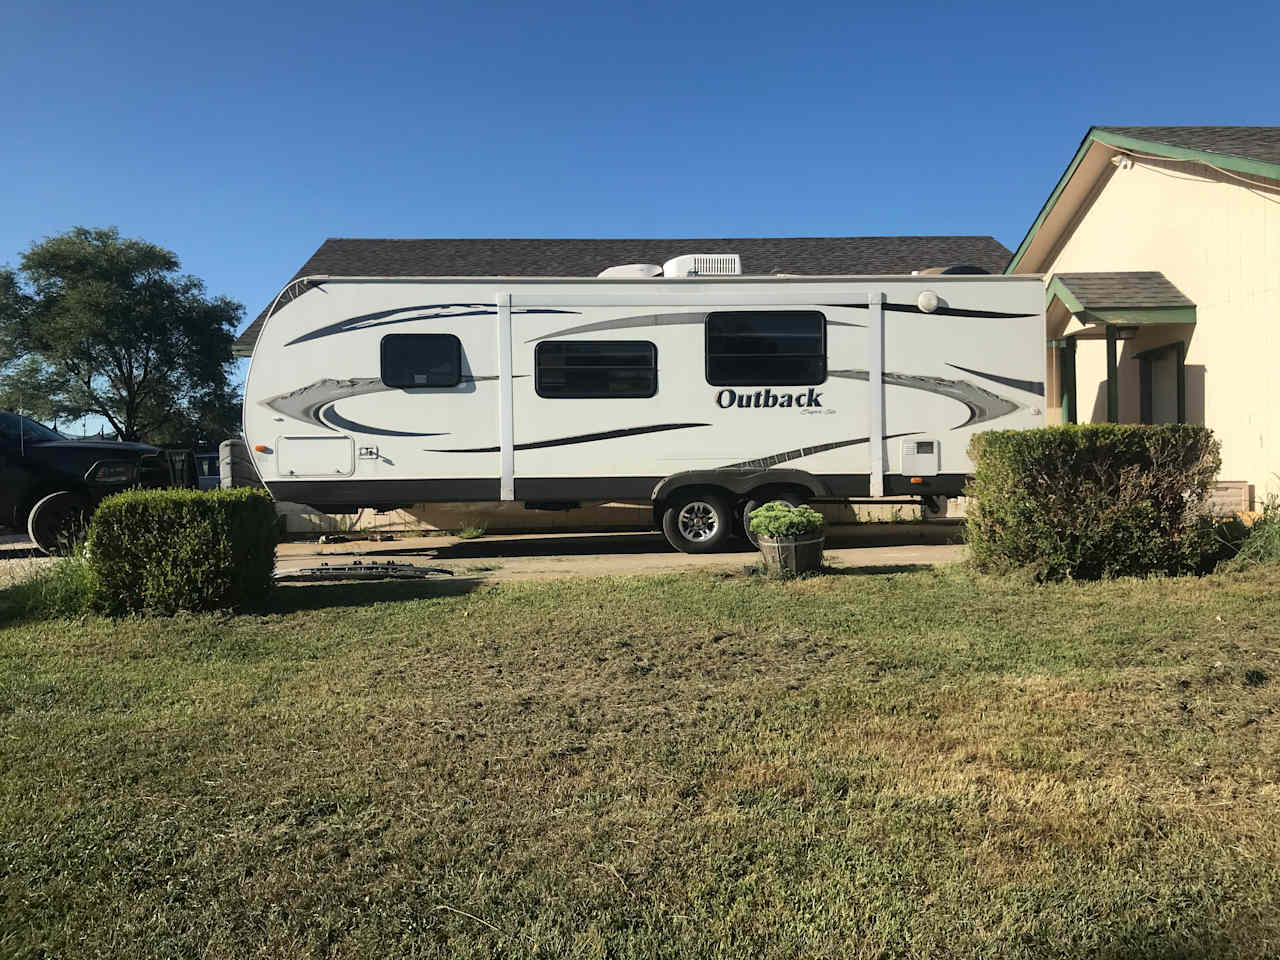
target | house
[{"x": 1160, "y": 252}]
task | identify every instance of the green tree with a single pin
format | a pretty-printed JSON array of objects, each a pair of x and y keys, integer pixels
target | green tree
[{"x": 93, "y": 324}]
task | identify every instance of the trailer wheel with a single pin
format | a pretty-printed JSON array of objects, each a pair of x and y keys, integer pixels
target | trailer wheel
[
  {"x": 57, "y": 521},
  {"x": 698, "y": 522},
  {"x": 758, "y": 500}
]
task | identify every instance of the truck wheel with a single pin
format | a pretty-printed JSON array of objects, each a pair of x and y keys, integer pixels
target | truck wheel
[
  {"x": 698, "y": 522},
  {"x": 758, "y": 500},
  {"x": 57, "y": 521}
]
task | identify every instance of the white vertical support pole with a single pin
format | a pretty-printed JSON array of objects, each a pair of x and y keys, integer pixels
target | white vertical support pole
[
  {"x": 875, "y": 367},
  {"x": 506, "y": 401}
]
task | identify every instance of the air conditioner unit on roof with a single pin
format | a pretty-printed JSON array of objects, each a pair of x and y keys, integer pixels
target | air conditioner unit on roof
[{"x": 703, "y": 265}]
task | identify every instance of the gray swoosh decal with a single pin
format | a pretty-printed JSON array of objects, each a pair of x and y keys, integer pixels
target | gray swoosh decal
[
  {"x": 628, "y": 323},
  {"x": 764, "y": 463},
  {"x": 582, "y": 438},
  {"x": 442, "y": 311},
  {"x": 652, "y": 320},
  {"x": 983, "y": 404},
  {"x": 314, "y": 403},
  {"x": 305, "y": 403},
  {"x": 1031, "y": 386}
]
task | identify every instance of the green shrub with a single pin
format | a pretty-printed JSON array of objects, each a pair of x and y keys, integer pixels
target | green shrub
[
  {"x": 780, "y": 519},
  {"x": 1262, "y": 543},
  {"x": 160, "y": 551},
  {"x": 1094, "y": 501},
  {"x": 65, "y": 587}
]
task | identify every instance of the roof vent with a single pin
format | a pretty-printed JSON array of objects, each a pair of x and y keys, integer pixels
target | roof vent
[
  {"x": 632, "y": 270},
  {"x": 704, "y": 265}
]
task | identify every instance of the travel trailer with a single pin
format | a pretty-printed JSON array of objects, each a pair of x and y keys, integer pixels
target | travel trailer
[{"x": 687, "y": 386}]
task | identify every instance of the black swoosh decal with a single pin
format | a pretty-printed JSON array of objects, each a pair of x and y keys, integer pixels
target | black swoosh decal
[
  {"x": 384, "y": 318},
  {"x": 763, "y": 463},
  {"x": 582, "y": 438},
  {"x": 983, "y": 405},
  {"x": 1031, "y": 386},
  {"x": 331, "y": 416},
  {"x": 940, "y": 311}
]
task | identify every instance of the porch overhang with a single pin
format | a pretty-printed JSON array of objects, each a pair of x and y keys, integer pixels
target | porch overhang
[
  {"x": 1087, "y": 305},
  {"x": 1113, "y": 307}
]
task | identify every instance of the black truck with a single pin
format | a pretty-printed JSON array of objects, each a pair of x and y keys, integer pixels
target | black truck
[{"x": 49, "y": 484}]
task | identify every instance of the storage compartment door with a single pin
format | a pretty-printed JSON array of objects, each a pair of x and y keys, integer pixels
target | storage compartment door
[{"x": 315, "y": 456}]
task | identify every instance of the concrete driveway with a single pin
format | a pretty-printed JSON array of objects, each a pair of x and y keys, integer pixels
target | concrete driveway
[{"x": 543, "y": 556}]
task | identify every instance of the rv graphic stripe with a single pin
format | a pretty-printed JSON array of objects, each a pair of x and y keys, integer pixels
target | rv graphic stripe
[
  {"x": 983, "y": 405},
  {"x": 764, "y": 463},
  {"x": 940, "y": 311},
  {"x": 583, "y": 438},
  {"x": 1031, "y": 386},
  {"x": 443, "y": 311},
  {"x": 331, "y": 416},
  {"x": 651, "y": 320}
]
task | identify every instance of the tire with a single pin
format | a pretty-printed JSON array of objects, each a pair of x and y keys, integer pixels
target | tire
[
  {"x": 57, "y": 521},
  {"x": 759, "y": 499},
  {"x": 698, "y": 522}
]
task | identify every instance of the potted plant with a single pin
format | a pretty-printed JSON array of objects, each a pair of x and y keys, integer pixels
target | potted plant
[{"x": 790, "y": 537}]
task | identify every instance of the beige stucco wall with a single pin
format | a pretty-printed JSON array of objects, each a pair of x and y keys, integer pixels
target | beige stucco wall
[{"x": 1218, "y": 241}]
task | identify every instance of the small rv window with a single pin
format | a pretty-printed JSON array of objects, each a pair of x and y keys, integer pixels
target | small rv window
[
  {"x": 595, "y": 368},
  {"x": 758, "y": 348},
  {"x": 421, "y": 360}
]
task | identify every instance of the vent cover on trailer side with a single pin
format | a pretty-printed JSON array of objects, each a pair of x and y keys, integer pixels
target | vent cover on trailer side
[{"x": 920, "y": 458}]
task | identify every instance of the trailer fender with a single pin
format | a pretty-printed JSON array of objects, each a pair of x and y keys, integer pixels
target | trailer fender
[{"x": 739, "y": 482}]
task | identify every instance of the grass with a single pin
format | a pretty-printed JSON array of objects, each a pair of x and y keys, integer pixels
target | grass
[
  {"x": 62, "y": 587},
  {"x": 923, "y": 763},
  {"x": 473, "y": 532},
  {"x": 1262, "y": 545}
]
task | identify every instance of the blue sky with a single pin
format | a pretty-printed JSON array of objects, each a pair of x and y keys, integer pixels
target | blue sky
[{"x": 240, "y": 136}]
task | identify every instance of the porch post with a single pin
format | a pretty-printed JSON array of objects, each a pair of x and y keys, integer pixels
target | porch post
[
  {"x": 1181, "y": 347},
  {"x": 1113, "y": 386},
  {"x": 1067, "y": 378}
]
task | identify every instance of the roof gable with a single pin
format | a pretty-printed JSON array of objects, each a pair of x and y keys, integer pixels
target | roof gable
[{"x": 1237, "y": 151}]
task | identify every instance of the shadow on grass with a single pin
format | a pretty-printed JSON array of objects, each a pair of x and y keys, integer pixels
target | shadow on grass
[
  {"x": 875, "y": 569},
  {"x": 295, "y": 597}
]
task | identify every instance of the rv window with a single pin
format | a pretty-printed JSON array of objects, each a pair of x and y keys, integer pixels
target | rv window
[
  {"x": 595, "y": 368},
  {"x": 421, "y": 360},
  {"x": 757, "y": 348}
]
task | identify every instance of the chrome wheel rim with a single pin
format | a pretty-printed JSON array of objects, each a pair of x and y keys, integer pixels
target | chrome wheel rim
[{"x": 698, "y": 521}]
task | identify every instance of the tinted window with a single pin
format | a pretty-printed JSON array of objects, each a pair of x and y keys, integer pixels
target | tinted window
[
  {"x": 784, "y": 348},
  {"x": 421, "y": 360},
  {"x": 596, "y": 368},
  {"x": 14, "y": 428}
]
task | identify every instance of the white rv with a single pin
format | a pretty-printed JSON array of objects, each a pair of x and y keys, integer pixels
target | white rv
[{"x": 690, "y": 387}]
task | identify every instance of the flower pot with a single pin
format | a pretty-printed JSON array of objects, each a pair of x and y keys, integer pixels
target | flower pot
[{"x": 790, "y": 556}]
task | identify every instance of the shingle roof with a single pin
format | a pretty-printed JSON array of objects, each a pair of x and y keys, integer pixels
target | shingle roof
[
  {"x": 587, "y": 257},
  {"x": 1131, "y": 290},
  {"x": 1253, "y": 143}
]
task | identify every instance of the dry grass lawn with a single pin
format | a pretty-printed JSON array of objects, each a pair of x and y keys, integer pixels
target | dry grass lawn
[{"x": 920, "y": 763}]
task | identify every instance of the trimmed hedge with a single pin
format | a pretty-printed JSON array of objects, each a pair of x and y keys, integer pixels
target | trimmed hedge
[
  {"x": 1094, "y": 501},
  {"x": 160, "y": 551}
]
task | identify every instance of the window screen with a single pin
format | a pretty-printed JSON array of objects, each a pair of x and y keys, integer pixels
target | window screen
[
  {"x": 785, "y": 348},
  {"x": 596, "y": 368},
  {"x": 421, "y": 360}
]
